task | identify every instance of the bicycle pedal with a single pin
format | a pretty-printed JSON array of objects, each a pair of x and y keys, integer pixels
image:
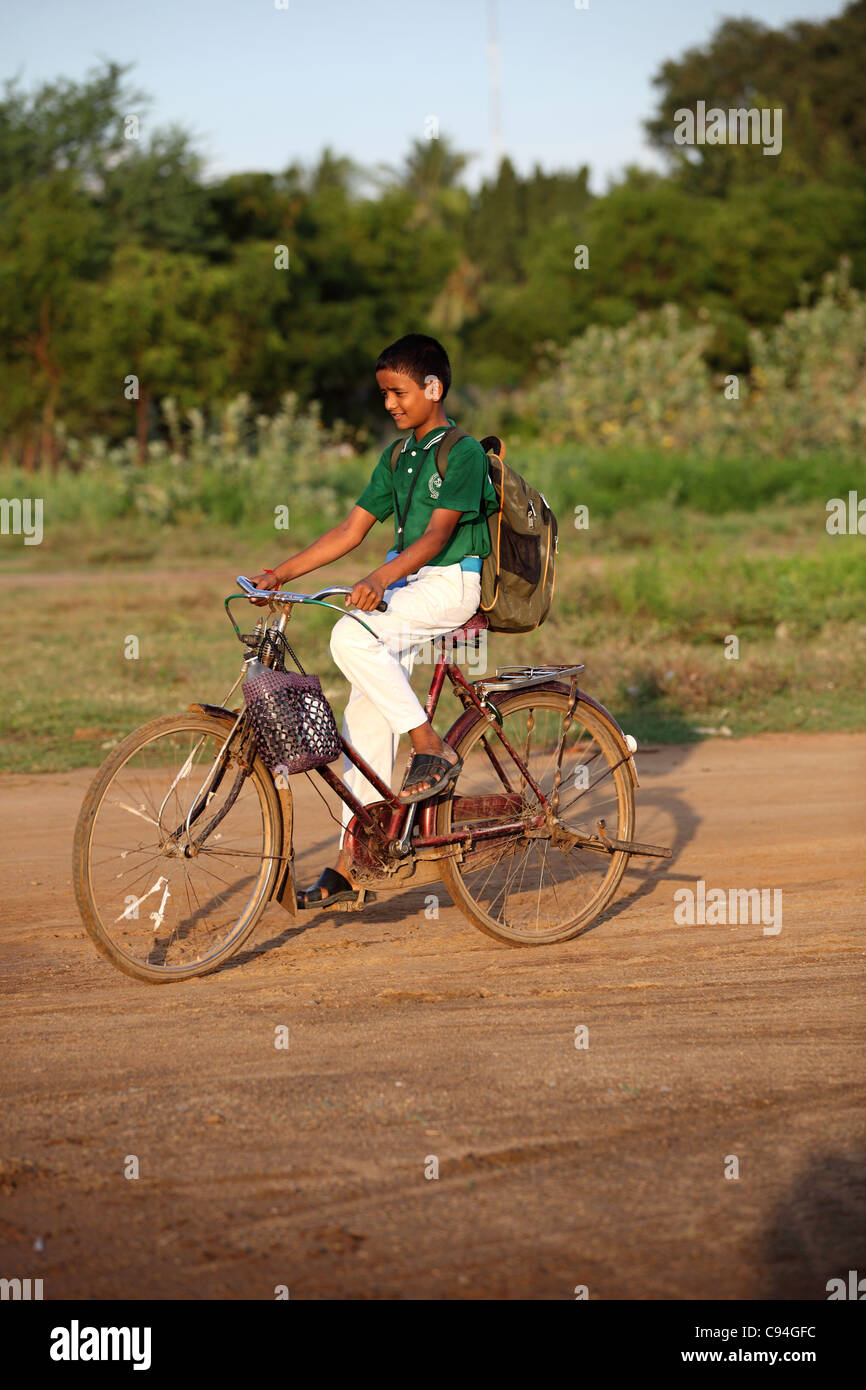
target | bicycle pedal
[{"x": 357, "y": 906}]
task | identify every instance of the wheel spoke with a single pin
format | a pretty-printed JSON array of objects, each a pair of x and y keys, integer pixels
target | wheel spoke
[
  {"x": 538, "y": 888},
  {"x": 154, "y": 910}
]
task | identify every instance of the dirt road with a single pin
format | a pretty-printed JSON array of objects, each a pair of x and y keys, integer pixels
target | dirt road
[{"x": 711, "y": 1049}]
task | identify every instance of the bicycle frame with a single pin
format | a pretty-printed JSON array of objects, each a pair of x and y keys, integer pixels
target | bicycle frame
[
  {"x": 389, "y": 822},
  {"x": 428, "y": 838},
  {"x": 402, "y": 815}
]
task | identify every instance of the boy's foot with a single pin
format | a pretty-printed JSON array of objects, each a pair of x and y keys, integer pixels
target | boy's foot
[
  {"x": 330, "y": 887},
  {"x": 429, "y": 773}
]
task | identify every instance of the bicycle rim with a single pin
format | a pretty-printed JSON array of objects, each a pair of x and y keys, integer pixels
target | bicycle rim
[
  {"x": 163, "y": 898},
  {"x": 531, "y": 890}
]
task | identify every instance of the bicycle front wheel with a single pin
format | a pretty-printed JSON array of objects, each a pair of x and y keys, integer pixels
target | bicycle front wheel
[
  {"x": 176, "y": 850},
  {"x": 532, "y": 889}
]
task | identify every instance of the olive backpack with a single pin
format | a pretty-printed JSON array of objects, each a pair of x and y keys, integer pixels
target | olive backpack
[{"x": 517, "y": 576}]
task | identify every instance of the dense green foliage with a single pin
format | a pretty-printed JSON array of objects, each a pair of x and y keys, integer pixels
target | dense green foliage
[
  {"x": 623, "y": 419},
  {"x": 118, "y": 260},
  {"x": 648, "y": 384}
]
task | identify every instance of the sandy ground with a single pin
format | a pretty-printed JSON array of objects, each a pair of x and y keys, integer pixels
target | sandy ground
[{"x": 414, "y": 1038}]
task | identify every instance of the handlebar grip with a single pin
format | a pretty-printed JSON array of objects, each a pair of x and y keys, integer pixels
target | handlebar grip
[{"x": 382, "y": 607}]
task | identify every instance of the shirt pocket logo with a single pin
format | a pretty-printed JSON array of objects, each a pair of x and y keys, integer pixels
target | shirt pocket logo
[{"x": 434, "y": 483}]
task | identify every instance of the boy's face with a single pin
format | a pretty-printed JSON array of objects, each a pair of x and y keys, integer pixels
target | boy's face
[{"x": 406, "y": 402}]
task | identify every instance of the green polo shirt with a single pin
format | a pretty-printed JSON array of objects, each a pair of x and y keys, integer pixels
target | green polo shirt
[{"x": 466, "y": 488}]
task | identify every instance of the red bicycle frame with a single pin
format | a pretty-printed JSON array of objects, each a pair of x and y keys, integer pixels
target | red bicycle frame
[{"x": 427, "y": 838}]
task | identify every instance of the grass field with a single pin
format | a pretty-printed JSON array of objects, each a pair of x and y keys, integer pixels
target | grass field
[{"x": 646, "y": 597}]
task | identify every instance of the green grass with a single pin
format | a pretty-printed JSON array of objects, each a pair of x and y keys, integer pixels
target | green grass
[{"x": 645, "y": 597}]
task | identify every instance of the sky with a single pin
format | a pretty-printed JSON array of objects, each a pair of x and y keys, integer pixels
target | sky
[{"x": 265, "y": 83}]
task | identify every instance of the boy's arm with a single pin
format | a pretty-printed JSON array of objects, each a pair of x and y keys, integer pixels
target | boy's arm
[
  {"x": 367, "y": 593},
  {"x": 342, "y": 538},
  {"x": 461, "y": 491}
]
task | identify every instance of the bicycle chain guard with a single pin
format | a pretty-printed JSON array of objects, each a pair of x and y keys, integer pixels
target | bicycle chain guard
[{"x": 367, "y": 857}]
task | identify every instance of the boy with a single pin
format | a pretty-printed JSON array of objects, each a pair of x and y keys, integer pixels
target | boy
[{"x": 441, "y": 538}]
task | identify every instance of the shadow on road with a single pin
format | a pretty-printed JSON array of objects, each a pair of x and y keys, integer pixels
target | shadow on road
[
  {"x": 817, "y": 1231},
  {"x": 662, "y": 817}
]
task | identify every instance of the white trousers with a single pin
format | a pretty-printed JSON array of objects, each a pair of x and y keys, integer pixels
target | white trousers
[{"x": 382, "y": 704}]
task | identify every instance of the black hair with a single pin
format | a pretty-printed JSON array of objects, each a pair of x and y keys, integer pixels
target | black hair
[{"x": 417, "y": 356}]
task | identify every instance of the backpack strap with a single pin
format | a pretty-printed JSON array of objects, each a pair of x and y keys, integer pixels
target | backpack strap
[
  {"x": 492, "y": 444},
  {"x": 444, "y": 447}
]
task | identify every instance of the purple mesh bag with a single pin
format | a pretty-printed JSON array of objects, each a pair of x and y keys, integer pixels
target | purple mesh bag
[{"x": 294, "y": 725}]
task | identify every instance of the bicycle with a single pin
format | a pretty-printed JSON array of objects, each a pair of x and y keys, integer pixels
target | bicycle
[{"x": 531, "y": 840}]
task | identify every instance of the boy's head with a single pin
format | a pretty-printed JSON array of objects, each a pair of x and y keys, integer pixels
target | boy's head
[{"x": 414, "y": 375}]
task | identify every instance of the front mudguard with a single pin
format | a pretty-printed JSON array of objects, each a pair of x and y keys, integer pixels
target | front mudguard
[{"x": 284, "y": 887}]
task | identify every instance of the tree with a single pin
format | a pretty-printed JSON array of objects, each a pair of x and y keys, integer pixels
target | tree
[
  {"x": 154, "y": 194},
  {"x": 498, "y": 224},
  {"x": 66, "y": 126},
  {"x": 153, "y": 320},
  {"x": 813, "y": 71},
  {"x": 255, "y": 206},
  {"x": 430, "y": 167},
  {"x": 52, "y": 248}
]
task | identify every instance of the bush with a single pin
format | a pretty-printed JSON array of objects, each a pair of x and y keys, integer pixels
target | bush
[
  {"x": 646, "y": 385},
  {"x": 239, "y": 471}
]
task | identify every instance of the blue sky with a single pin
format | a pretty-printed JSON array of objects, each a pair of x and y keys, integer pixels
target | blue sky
[{"x": 261, "y": 87}]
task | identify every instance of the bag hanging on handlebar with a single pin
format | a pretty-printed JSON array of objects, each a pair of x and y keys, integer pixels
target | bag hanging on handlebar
[{"x": 293, "y": 723}]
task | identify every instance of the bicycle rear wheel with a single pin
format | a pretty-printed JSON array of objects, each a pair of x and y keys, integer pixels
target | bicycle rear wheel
[
  {"x": 532, "y": 889},
  {"x": 170, "y": 881}
]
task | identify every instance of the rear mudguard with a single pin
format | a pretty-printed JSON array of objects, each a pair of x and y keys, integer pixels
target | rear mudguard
[
  {"x": 284, "y": 886},
  {"x": 467, "y": 719}
]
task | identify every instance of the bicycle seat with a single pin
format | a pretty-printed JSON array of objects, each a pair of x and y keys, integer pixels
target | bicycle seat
[{"x": 477, "y": 623}]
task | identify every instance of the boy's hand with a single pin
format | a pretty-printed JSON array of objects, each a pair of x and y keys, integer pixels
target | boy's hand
[
  {"x": 267, "y": 580},
  {"x": 366, "y": 595}
]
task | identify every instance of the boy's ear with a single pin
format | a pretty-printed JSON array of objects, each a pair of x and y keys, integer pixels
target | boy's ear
[{"x": 432, "y": 388}]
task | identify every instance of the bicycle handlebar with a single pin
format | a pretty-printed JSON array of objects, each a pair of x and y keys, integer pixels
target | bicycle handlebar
[
  {"x": 346, "y": 589},
  {"x": 284, "y": 596}
]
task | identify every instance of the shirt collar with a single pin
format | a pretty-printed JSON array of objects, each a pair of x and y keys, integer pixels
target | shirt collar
[{"x": 430, "y": 433}]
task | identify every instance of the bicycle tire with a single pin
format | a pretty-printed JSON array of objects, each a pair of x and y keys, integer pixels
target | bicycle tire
[
  {"x": 455, "y": 873},
  {"x": 102, "y": 937}
]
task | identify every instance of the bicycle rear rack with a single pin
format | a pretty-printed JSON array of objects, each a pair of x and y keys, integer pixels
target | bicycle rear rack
[{"x": 514, "y": 677}]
